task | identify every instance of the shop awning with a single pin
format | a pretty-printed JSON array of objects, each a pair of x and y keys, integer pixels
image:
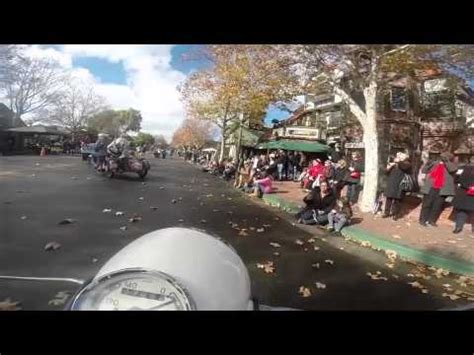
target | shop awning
[{"x": 296, "y": 145}]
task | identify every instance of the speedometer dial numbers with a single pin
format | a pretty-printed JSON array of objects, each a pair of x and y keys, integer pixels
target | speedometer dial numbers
[{"x": 133, "y": 289}]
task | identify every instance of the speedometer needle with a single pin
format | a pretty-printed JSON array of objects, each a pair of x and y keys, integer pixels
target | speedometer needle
[{"x": 162, "y": 305}]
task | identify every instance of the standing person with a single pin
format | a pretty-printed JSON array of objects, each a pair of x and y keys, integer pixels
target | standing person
[
  {"x": 100, "y": 151},
  {"x": 394, "y": 193},
  {"x": 356, "y": 168},
  {"x": 297, "y": 168},
  {"x": 439, "y": 183},
  {"x": 340, "y": 174},
  {"x": 463, "y": 202},
  {"x": 280, "y": 161},
  {"x": 340, "y": 216},
  {"x": 334, "y": 153}
]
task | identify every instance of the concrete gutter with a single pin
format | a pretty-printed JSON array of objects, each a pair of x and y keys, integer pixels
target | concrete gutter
[{"x": 378, "y": 242}]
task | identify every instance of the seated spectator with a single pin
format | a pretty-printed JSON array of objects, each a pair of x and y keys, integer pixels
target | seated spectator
[
  {"x": 323, "y": 203},
  {"x": 243, "y": 176},
  {"x": 229, "y": 170},
  {"x": 264, "y": 185},
  {"x": 340, "y": 216}
]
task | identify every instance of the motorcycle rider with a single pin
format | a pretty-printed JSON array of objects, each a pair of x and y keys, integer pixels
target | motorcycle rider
[{"x": 120, "y": 149}]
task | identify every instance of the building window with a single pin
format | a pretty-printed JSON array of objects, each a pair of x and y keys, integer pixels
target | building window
[
  {"x": 398, "y": 99},
  {"x": 439, "y": 105}
]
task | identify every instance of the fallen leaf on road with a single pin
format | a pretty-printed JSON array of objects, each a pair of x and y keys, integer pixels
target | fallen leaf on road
[
  {"x": 143, "y": 183},
  {"x": 276, "y": 219},
  {"x": 424, "y": 290},
  {"x": 106, "y": 210},
  {"x": 8, "y": 305},
  {"x": 52, "y": 246},
  {"x": 446, "y": 285},
  {"x": 416, "y": 284},
  {"x": 234, "y": 225},
  {"x": 377, "y": 276},
  {"x": 141, "y": 198},
  {"x": 88, "y": 178},
  {"x": 320, "y": 285},
  {"x": 408, "y": 224},
  {"x": 267, "y": 267},
  {"x": 396, "y": 236},
  {"x": 276, "y": 253},
  {"x": 396, "y": 277},
  {"x": 37, "y": 164},
  {"x": 266, "y": 225},
  {"x": 229, "y": 198},
  {"x": 315, "y": 265},
  {"x": 243, "y": 233},
  {"x": 305, "y": 250},
  {"x": 299, "y": 242},
  {"x": 173, "y": 201},
  {"x": 452, "y": 241},
  {"x": 390, "y": 265},
  {"x": 94, "y": 260},
  {"x": 180, "y": 220},
  {"x": 162, "y": 188},
  {"x": 67, "y": 221},
  {"x": 215, "y": 210},
  {"x": 451, "y": 296},
  {"x": 391, "y": 255},
  {"x": 73, "y": 178},
  {"x": 304, "y": 291},
  {"x": 23, "y": 218},
  {"x": 329, "y": 261},
  {"x": 229, "y": 212},
  {"x": 252, "y": 228},
  {"x": 180, "y": 199},
  {"x": 135, "y": 219},
  {"x": 203, "y": 221},
  {"x": 365, "y": 243},
  {"x": 33, "y": 175},
  {"x": 311, "y": 240},
  {"x": 222, "y": 195},
  {"x": 201, "y": 204},
  {"x": 119, "y": 213},
  {"x": 153, "y": 208},
  {"x": 60, "y": 299},
  {"x": 260, "y": 230},
  {"x": 341, "y": 248},
  {"x": 275, "y": 245},
  {"x": 124, "y": 228},
  {"x": 316, "y": 248}
]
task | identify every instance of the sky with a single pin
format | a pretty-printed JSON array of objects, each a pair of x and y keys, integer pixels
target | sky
[{"x": 144, "y": 77}]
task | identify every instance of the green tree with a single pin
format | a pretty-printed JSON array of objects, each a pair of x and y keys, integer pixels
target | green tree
[
  {"x": 144, "y": 139},
  {"x": 116, "y": 122},
  {"x": 359, "y": 74}
]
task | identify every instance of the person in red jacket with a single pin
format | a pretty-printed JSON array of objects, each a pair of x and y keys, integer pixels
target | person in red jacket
[{"x": 314, "y": 173}]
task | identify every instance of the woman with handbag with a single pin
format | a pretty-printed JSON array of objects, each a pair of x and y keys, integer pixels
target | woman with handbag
[
  {"x": 398, "y": 171},
  {"x": 463, "y": 202},
  {"x": 439, "y": 184}
]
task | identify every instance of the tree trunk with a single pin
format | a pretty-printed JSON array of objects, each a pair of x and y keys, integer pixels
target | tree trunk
[
  {"x": 371, "y": 147},
  {"x": 223, "y": 137}
]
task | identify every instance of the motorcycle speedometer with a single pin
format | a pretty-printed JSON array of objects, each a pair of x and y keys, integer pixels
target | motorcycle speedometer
[{"x": 133, "y": 289}]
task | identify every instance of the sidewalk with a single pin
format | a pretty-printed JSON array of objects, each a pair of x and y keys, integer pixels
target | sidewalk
[{"x": 433, "y": 246}]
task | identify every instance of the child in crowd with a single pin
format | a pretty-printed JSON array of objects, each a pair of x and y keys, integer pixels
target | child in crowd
[{"x": 340, "y": 216}]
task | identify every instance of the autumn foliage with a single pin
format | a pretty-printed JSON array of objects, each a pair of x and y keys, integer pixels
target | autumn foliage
[{"x": 192, "y": 134}]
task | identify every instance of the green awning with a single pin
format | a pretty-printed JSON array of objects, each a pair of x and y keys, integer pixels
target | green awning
[{"x": 297, "y": 145}]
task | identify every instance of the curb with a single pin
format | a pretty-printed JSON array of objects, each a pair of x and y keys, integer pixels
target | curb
[{"x": 403, "y": 251}]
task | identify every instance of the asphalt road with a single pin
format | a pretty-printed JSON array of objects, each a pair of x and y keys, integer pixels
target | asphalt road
[{"x": 46, "y": 190}]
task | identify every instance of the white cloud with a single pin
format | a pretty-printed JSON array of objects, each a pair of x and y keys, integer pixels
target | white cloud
[{"x": 151, "y": 81}]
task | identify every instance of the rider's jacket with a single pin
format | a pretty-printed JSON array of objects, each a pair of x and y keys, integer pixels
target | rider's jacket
[{"x": 119, "y": 147}]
